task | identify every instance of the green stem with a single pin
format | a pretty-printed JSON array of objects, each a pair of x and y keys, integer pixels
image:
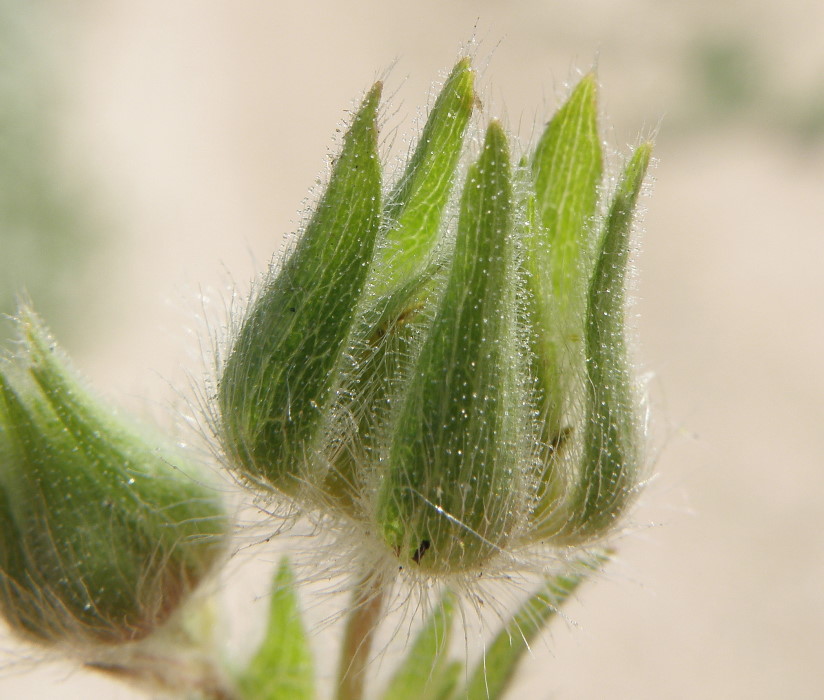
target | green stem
[{"x": 361, "y": 625}]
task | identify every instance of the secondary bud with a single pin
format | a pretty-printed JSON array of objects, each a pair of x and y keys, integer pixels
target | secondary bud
[{"x": 103, "y": 535}]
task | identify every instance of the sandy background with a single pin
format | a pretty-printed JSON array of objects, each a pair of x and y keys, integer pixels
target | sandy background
[{"x": 197, "y": 128}]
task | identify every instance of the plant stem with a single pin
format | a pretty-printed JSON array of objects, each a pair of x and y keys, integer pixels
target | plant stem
[{"x": 361, "y": 625}]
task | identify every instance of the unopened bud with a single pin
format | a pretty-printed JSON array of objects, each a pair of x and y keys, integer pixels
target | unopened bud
[
  {"x": 452, "y": 386},
  {"x": 103, "y": 535}
]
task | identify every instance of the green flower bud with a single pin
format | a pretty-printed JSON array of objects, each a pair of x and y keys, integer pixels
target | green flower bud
[
  {"x": 451, "y": 387},
  {"x": 102, "y": 535}
]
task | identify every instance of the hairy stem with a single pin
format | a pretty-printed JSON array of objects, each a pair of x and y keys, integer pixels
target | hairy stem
[{"x": 361, "y": 625}]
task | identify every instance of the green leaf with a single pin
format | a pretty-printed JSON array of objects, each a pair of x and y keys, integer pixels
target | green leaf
[
  {"x": 493, "y": 674},
  {"x": 281, "y": 373},
  {"x": 282, "y": 668},
  {"x": 426, "y": 673},
  {"x": 448, "y": 501},
  {"x": 613, "y": 438}
]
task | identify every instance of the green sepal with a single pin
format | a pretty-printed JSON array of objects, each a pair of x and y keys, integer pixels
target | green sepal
[
  {"x": 567, "y": 167},
  {"x": 403, "y": 281},
  {"x": 284, "y": 365},
  {"x": 492, "y": 676},
  {"x": 613, "y": 437},
  {"x": 104, "y": 533},
  {"x": 171, "y": 495},
  {"x": 388, "y": 336},
  {"x": 414, "y": 209},
  {"x": 448, "y": 499},
  {"x": 566, "y": 171},
  {"x": 450, "y": 683},
  {"x": 282, "y": 668},
  {"x": 426, "y": 673}
]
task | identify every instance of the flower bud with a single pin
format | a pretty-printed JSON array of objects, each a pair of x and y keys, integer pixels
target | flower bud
[
  {"x": 451, "y": 387},
  {"x": 102, "y": 535}
]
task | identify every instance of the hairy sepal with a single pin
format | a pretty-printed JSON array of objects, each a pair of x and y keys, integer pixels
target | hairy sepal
[
  {"x": 403, "y": 284},
  {"x": 280, "y": 377},
  {"x": 451, "y": 496},
  {"x": 566, "y": 170},
  {"x": 613, "y": 457}
]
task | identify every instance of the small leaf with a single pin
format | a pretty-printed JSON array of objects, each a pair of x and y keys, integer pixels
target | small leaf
[
  {"x": 448, "y": 499},
  {"x": 282, "y": 668},
  {"x": 493, "y": 674},
  {"x": 280, "y": 375},
  {"x": 425, "y": 673}
]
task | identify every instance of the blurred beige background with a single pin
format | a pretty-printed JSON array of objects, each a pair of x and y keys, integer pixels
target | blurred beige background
[{"x": 192, "y": 131}]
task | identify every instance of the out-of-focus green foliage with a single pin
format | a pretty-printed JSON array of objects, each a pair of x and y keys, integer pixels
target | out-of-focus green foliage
[{"x": 282, "y": 668}]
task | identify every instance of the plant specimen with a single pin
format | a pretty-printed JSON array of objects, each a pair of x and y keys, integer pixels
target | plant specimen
[{"x": 437, "y": 371}]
